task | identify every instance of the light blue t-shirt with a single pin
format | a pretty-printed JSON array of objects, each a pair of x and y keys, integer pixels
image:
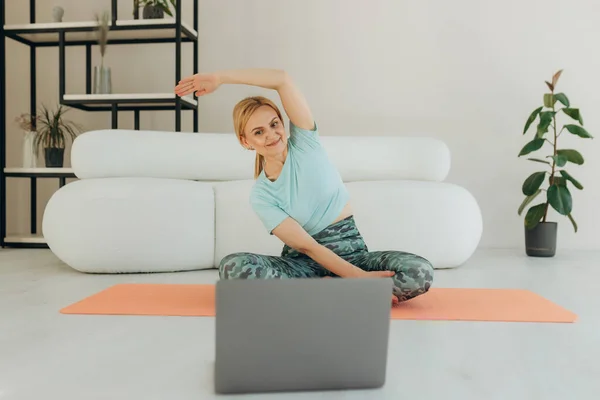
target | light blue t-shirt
[{"x": 309, "y": 188}]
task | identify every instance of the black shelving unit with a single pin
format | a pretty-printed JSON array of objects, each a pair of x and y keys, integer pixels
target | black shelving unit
[{"x": 62, "y": 35}]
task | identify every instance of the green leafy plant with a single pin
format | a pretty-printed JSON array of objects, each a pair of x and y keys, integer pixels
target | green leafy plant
[
  {"x": 53, "y": 130},
  {"x": 162, "y": 4},
  {"x": 558, "y": 195}
]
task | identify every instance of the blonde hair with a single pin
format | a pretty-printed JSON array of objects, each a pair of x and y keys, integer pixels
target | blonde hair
[{"x": 242, "y": 112}]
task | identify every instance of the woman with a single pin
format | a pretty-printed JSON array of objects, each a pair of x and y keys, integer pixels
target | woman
[{"x": 299, "y": 195}]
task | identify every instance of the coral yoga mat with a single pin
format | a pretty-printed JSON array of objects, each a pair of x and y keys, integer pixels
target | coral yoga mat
[{"x": 508, "y": 305}]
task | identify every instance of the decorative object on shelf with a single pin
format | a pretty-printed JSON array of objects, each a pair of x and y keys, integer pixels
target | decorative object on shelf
[
  {"x": 102, "y": 75},
  {"x": 57, "y": 14},
  {"x": 540, "y": 234},
  {"x": 28, "y": 124},
  {"x": 79, "y": 35},
  {"x": 136, "y": 9},
  {"x": 29, "y": 153},
  {"x": 52, "y": 134},
  {"x": 156, "y": 9}
]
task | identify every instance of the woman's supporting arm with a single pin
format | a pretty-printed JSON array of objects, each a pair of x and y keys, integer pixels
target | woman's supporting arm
[{"x": 292, "y": 234}]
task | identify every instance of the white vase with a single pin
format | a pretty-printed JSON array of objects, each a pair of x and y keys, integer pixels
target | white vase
[
  {"x": 102, "y": 80},
  {"x": 29, "y": 154}
]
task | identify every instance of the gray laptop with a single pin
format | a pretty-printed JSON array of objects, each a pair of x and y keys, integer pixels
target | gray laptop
[{"x": 301, "y": 334}]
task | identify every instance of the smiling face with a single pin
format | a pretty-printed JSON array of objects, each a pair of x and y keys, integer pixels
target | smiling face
[
  {"x": 265, "y": 132},
  {"x": 259, "y": 126}
]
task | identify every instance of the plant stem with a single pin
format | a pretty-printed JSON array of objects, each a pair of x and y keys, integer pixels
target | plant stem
[{"x": 554, "y": 158}]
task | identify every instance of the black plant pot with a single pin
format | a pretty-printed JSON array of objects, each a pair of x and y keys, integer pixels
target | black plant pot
[
  {"x": 541, "y": 240},
  {"x": 54, "y": 157},
  {"x": 152, "y": 12}
]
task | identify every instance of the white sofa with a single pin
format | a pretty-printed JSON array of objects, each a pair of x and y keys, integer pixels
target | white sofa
[{"x": 149, "y": 201}]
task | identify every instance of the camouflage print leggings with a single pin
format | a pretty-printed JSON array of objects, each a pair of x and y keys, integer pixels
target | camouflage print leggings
[{"x": 414, "y": 274}]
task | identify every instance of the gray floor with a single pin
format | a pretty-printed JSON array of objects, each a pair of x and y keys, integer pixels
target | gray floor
[{"x": 47, "y": 355}]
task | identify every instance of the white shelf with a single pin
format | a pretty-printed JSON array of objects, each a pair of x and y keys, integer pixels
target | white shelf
[
  {"x": 132, "y": 99},
  {"x": 41, "y": 170},
  {"x": 19, "y": 172},
  {"x": 51, "y": 25},
  {"x": 37, "y": 239},
  {"x": 146, "y": 22},
  {"x": 84, "y": 31}
]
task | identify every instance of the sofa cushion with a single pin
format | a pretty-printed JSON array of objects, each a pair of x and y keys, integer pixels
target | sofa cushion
[
  {"x": 132, "y": 225},
  {"x": 237, "y": 228},
  {"x": 439, "y": 221},
  {"x": 219, "y": 157}
]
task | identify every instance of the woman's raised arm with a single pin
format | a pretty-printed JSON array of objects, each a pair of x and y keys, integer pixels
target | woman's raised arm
[{"x": 292, "y": 99}]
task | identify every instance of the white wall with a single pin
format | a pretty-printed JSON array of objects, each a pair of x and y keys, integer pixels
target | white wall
[{"x": 468, "y": 72}]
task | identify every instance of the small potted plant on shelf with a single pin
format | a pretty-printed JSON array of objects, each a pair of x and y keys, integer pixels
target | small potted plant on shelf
[
  {"x": 540, "y": 234},
  {"x": 156, "y": 9},
  {"x": 52, "y": 134}
]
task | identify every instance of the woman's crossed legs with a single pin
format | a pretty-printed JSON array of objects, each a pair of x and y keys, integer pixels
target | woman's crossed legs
[{"x": 414, "y": 274}]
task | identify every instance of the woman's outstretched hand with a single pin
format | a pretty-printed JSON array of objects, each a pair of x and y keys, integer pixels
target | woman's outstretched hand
[{"x": 200, "y": 84}]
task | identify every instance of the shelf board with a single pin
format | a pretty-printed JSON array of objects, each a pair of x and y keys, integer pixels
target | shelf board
[
  {"x": 83, "y": 32},
  {"x": 128, "y": 101},
  {"x": 25, "y": 239},
  {"x": 40, "y": 172}
]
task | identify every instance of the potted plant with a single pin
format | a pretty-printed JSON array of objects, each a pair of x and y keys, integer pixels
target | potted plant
[
  {"x": 52, "y": 134},
  {"x": 156, "y": 9},
  {"x": 102, "y": 74},
  {"x": 540, "y": 234}
]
